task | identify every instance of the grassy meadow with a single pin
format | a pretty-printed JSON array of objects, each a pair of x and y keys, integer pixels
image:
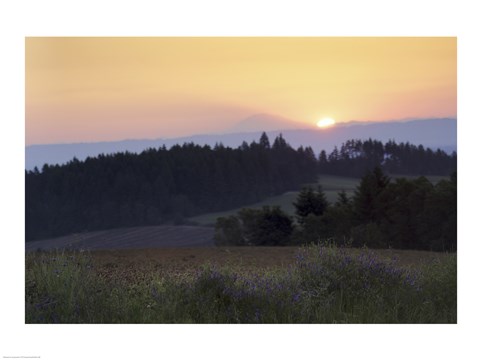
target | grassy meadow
[
  {"x": 241, "y": 285},
  {"x": 331, "y": 185}
]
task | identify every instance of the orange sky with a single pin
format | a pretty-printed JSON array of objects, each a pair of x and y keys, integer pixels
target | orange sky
[{"x": 96, "y": 89}]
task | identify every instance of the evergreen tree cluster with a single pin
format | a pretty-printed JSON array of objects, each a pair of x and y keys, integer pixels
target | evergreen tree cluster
[
  {"x": 355, "y": 157},
  {"x": 160, "y": 185},
  {"x": 268, "y": 226},
  {"x": 310, "y": 202},
  {"x": 405, "y": 214}
]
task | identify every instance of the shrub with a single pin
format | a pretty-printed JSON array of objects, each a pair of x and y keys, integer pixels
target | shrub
[
  {"x": 369, "y": 235},
  {"x": 268, "y": 226}
]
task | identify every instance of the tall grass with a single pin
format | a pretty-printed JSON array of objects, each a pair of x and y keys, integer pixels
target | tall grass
[{"x": 326, "y": 285}]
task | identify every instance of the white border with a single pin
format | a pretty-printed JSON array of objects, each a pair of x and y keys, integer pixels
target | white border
[{"x": 226, "y": 18}]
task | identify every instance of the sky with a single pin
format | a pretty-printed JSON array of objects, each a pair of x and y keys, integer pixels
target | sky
[{"x": 104, "y": 89}]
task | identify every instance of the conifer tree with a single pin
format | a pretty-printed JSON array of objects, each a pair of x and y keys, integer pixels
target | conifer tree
[{"x": 310, "y": 202}]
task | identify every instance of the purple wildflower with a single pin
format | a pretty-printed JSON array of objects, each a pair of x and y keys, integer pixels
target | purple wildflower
[{"x": 257, "y": 315}]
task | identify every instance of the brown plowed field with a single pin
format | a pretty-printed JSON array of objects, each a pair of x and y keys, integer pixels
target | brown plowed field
[{"x": 130, "y": 238}]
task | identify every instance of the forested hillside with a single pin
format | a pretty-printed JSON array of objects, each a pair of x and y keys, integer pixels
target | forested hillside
[
  {"x": 355, "y": 157},
  {"x": 160, "y": 185},
  {"x": 167, "y": 185}
]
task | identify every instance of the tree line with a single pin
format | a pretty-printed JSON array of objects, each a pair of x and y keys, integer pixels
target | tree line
[
  {"x": 160, "y": 185},
  {"x": 163, "y": 185},
  {"x": 405, "y": 214},
  {"x": 355, "y": 157}
]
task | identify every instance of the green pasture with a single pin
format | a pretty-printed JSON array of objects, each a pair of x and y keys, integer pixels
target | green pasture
[{"x": 330, "y": 184}]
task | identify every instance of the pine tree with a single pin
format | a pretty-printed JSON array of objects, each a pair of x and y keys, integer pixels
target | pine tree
[
  {"x": 310, "y": 202},
  {"x": 368, "y": 201},
  {"x": 342, "y": 199},
  {"x": 264, "y": 142}
]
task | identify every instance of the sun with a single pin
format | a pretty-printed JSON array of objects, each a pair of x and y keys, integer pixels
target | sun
[{"x": 325, "y": 122}]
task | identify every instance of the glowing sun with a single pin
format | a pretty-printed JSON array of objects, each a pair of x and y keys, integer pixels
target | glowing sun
[{"x": 325, "y": 122}]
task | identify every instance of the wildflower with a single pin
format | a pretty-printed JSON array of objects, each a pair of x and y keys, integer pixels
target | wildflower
[
  {"x": 55, "y": 318},
  {"x": 257, "y": 315},
  {"x": 155, "y": 294}
]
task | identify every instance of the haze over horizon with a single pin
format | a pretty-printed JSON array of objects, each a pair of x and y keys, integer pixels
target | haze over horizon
[
  {"x": 431, "y": 133},
  {"x": 108, "y": 89},
  {"x": 250, "y": 125}
]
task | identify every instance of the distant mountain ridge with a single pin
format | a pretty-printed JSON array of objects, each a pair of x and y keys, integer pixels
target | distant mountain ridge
[
  {"x": 266, "y": 122},
  {"x": 432, "y": 133}
]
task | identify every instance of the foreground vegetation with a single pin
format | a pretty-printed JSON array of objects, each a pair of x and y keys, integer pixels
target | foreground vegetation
[{"x": 323, "y": 285}]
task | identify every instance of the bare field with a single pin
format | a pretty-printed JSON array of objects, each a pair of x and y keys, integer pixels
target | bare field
[{"x": 130, "y": 238}]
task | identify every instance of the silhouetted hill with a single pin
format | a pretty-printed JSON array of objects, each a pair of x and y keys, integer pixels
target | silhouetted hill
[
  {"x": 432, "y": 133},
  {"x": 266, "y": 122}
]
